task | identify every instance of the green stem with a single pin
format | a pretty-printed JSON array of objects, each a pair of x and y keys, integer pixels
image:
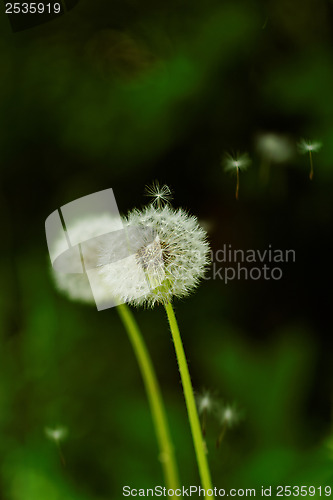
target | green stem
[
  {"x": 167, "y": 457},
  {"x": 190, "y": 401}
]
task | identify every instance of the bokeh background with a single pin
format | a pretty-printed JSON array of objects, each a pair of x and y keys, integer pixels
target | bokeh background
[{"x": 118, "y": 94}]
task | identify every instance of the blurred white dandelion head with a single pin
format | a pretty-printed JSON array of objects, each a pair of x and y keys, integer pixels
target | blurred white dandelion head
[
  {"x": 56, "y": 433},
  {"x": 273, "y": 147},
  {"x": 238, "y": 161},
  {"x": 170, "y": 255},
  {"x": 76, "y": 285},
  {"x": 160, "y": 195},
  {"x": 304, "y": 146}
]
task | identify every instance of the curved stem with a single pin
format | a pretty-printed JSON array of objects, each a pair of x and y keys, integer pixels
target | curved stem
[
  {"x": 190, "y": 401},
  {"x": 166, "y": 456}
]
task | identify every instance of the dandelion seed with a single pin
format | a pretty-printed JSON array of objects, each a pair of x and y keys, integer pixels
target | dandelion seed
[
  {"x": 57, "y": 434},
  {"x": 205, "y": 401},
  {"x": 206, "y": 404},
  {"x": 305, "y": 146},
  {"x": 236, "y": 164},
  {"x": 159, "y": 195},
  {"x": 228, "y": 416}
]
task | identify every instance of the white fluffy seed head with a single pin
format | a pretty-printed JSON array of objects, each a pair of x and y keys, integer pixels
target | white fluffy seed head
[{"x": 170, "y": 255}]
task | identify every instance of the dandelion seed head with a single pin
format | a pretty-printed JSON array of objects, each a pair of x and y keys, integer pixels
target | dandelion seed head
[
  {"x": 304, "y": 146},
  {"x": 170, "y": 254},
  {"x": 239, "y": 161}
]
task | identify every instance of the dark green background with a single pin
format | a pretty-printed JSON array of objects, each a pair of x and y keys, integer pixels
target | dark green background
[{"x": 117, "y": 94}]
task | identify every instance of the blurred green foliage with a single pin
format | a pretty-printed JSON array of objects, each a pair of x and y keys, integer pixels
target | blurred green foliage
[{"x": 116, "y": 94}]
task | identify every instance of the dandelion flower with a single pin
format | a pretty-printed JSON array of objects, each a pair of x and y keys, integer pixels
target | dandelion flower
[
  {"x": 159, "y": 195},
  {"x": 170, "y": 257},
  {"x": 305, "y": 146},
  {"x": 235, "y": 164}
]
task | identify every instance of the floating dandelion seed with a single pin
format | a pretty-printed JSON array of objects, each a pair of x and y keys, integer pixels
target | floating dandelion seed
[
  {"x": 159, "y": 195},
  {"x": 236, "y": 164},
  {"x": 228, "y": 416},
  {"x": 57, "y": 434},
  {"x": 305, "y": 146},
  {"x": 206, "y": 403}
]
